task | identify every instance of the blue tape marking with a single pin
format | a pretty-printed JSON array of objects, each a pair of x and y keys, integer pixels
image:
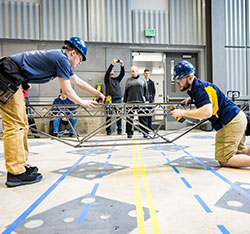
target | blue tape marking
[
  {"x": 223, "y": 229},
  {"x": 84, "y": 214},
  {"x": 176, "y": 170},
  {"x": 109, "y": 156},
  {"x": 106, "y": 163},
  {"x": 203, "y": 204},
  {"x": 23, "y": 216},
  {"x": 168, "y": 160},
  {"x": 101, "y": 174},
  {"x": 234, "y": 186},
  {"x": 93, "y": 192},
  {"x": 163, "y": 154},
  {"x": 186, "y": 183}
]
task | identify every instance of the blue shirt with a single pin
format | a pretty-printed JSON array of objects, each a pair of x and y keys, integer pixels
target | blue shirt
[
  {"x": 60, "y": 101},
  {"x": 224, "y": 110},
  {"x": 41, "y": 66}
]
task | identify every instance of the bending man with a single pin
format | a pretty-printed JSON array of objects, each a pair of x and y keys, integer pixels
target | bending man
[{"x": 226, "y": 118}]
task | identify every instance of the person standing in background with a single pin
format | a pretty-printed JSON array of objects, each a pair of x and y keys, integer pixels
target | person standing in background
[
  {"x": 151, "y": 94},
  {"x": 113, "y": 89}
]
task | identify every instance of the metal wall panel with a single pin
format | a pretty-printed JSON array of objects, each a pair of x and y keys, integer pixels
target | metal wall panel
[
  {"x": 235, "y": 22},
  {"x": 19, "y": 20},
  {"x": 110, "y": 21},
  {"x": 150, "y": 19},
  {"x": 187, "y": 22},
  {"x": 236, "y": 77},
  {"x": 248, "y": 22},
  {"x": 62, "y": 19}
]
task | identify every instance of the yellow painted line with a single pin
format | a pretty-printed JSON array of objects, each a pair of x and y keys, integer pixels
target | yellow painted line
[
  {"x": 139, "y": 209},
  {"x": 155, "y": 223}
]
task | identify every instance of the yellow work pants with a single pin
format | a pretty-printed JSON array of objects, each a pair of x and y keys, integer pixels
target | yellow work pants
[{"x": 15, "y": 133}]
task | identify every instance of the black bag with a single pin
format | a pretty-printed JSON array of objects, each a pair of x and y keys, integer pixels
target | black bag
[
  {"x": 10, "y": 78},
  {"x": 248, "y": 126}
]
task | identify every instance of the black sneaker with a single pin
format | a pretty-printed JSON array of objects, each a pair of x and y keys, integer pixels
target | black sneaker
[
  {"x": 30, "y": 169},
  {"x": 119, "y": 132},
  {"x": 108, "y": 133},
  {"x": 22, "y": 179},
  {"x": 146, "y": 136},
  {"x": 129, "y": 136}
]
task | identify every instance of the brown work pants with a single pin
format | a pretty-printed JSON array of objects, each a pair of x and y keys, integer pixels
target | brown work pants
[{"x": 15, "y": 133}]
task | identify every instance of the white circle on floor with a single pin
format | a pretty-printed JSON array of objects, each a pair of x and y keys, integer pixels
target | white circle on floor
[
  {"x": 34, "y": 224},
  {"x": 81, "y": 169},
  {"x": 100, "y": 168},
  {"x": 91, "y": 163},
  {"x": 174, "y": 164},
  {"x": 88, "y": 200},
  {"x": 91, "y": 176},
  {"x": 68, "y": 220},
  {"x": 189, "y": 162},
  {"x": 105, "y": 216},
  {"x": 234, "y": 203},
  {"x": 132, "y": 213},
  {"x": 246, "y": 186}
]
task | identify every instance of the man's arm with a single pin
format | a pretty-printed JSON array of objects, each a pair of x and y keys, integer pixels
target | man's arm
[
  {"x": 71, "y": 94},
  {"x": 107, "y": 74},
  {"x": 122, "y": 72},
  {"x": 203, "y": 112}
]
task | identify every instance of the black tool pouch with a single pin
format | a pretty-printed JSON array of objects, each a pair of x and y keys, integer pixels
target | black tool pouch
[{"x": 10, "y": 78}]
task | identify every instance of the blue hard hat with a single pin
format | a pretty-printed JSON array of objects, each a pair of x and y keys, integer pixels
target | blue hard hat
[
  {"x": 79, "y": 44},
  {"x": 183, "y": 68}
]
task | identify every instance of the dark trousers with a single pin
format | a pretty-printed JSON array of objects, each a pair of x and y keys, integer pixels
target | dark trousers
[
  {"x": 119, "y": 122},
  {"x": 149, "y": 119},
  {"x": 142, "y": 119}
]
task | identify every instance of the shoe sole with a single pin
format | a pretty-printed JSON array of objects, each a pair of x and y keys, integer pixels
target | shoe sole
[{"x": 19, "y": 183}]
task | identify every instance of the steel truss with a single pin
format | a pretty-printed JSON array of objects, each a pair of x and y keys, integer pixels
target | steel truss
[{"x": 116, "y": 112}]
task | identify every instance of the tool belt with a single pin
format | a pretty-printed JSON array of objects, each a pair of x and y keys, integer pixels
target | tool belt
[{"x": 11, "y": 78}]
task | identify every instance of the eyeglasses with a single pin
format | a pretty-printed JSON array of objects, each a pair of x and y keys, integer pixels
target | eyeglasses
[
  {"x": 80, "y": 57},
  {"x": 181, "y": 79}
]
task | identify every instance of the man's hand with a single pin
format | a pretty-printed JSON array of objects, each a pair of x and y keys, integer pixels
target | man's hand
[
  {"x": 88, "y": 103},
  {"x": 64, "y": 119},
  {"x": 102, "y": 97},
  {"x": 177, "y": 113},
  {"x": 114, "y": 61},
  {"x": 121, "y": 63},
  {"x": 186, "y": 102}
]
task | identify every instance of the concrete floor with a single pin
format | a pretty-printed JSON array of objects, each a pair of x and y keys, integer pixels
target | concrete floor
[{"x": 173, "y": 188}]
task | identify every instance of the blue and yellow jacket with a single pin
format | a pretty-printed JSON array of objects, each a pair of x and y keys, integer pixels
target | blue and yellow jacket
[{"x": 224, "y": 110}]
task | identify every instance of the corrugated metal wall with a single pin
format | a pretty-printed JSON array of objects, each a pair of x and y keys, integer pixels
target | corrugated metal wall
[
  {"x": 110, "y": 21},
  {"x": 107, "y": 21},
  {"x": 19, "y": 20},
  {"x": 63, "y": 18},
  {"x": 187, "y": 22},
  {"x": 235, "y": 45},
  {"x": 150, "y": 19}
]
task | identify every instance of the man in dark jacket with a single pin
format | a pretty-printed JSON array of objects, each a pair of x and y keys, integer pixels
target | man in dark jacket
[
  {"x": 136, "y": 91},
  {"x": 113, "y": 89},
  {"x": 151, "y": 93}
]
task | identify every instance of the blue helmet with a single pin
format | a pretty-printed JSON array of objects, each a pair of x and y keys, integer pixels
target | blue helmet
[
  {"x": 79, "y": 44},
  {"x": 183, "y": 68}
]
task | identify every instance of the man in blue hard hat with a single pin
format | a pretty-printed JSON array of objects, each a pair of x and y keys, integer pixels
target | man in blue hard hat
[
  {"x": 38, "y": 66},
  {"x": 226, "y": 118}
]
